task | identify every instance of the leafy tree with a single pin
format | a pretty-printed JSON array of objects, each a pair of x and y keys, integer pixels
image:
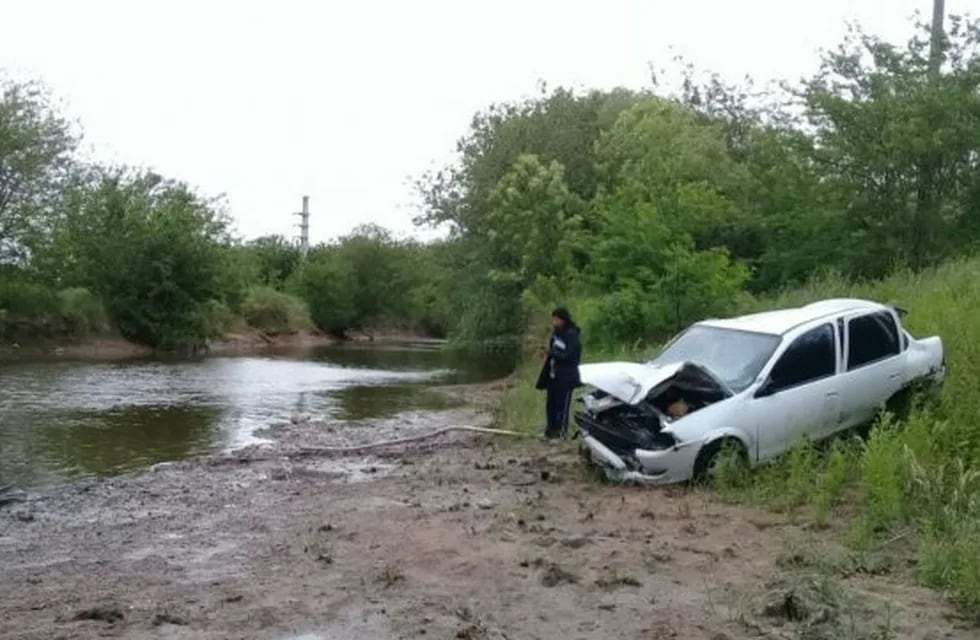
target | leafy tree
[
  {"x": 791, "y": 219},
  {"x": 36, "y": 146},
  {"x": 559, "y": 125},
  {"x": 327, "y": 284},
  {"x": 275, "y": 259},
  {"x": 649, "y": 278},
  {"x": 151, "y": 248},
  {"x": 363, "y": 280},
  {"x": 902, "y": 141},
  {"x": 524, "y": 236},
  {"x": 379, "y": 264},
  {"x": 661, "y": 154},
  {"x": 432, "y": 296},
  {"x": 531, "y": 215}
]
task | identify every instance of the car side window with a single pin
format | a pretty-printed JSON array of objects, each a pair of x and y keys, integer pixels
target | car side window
[
  {"x": 811, "y": 357},
  {"x": 871, "y": 338}
]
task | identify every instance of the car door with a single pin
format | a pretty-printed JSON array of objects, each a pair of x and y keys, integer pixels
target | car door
[
  {"x": 873, "y": 368},
  {"x": 801, "y": 394}
]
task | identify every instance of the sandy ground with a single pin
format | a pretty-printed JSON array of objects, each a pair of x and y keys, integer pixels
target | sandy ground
[{"x": 462, "y": 537}]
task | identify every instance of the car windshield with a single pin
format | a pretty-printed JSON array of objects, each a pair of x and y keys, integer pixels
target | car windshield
[{"x": 735, "y": 357}]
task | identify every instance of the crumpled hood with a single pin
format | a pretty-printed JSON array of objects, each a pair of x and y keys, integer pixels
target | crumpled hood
[
  {"x": 627, "y": 381},
  {"x": 631, "y": 382}
]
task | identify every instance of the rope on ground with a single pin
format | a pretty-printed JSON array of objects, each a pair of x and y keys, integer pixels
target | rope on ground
[{"x": 307, "y": 452}]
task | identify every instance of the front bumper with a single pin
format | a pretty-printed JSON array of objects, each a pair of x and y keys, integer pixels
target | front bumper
[{"x": 666, "y": 466}]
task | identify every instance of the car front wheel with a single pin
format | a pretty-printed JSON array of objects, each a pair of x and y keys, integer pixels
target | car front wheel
[{"x": 714, "y": 453}]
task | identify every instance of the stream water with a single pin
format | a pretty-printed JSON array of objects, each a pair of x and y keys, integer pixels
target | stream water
[{"x": 61, "y": 420}]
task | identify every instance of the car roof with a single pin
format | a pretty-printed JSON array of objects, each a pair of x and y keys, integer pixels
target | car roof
[{"x": 784, "y": 320}]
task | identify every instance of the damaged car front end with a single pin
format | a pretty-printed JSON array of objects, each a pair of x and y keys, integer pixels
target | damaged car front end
[
  {"x": 629, "y": 414},
  {"x": 659, "y": 422}
]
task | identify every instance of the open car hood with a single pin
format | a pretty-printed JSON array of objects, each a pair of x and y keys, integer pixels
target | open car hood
[{"x": 632, "y": 382}]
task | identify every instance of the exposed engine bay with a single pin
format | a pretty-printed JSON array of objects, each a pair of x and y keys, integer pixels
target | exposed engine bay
[{"x": 624, "y": 427}]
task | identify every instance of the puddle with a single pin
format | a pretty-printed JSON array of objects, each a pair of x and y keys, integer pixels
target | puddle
[
  {"x": 353, "y": 471},
  {"x": 360, "y": 624}
]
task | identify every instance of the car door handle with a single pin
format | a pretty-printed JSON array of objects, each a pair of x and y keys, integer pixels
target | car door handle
[
  {"x": 832, "y": 394},
  {"x": 895, "y": 376}
]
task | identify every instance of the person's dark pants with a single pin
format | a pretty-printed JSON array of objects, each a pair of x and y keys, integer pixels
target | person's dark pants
[{"x": 559, "y": 405}]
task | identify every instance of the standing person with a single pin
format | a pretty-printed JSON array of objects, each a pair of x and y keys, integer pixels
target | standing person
[{"x": 559, "y": 375}]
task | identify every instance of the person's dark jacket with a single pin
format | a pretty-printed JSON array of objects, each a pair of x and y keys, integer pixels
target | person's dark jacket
[{"x": 564, "y": 354}]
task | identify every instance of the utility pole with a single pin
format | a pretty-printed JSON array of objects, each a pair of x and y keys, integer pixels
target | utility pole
[
  {"x": 923, "y": 228},
  {"x": 936, "y": 38},
  {"x": 304, "y": 226}
]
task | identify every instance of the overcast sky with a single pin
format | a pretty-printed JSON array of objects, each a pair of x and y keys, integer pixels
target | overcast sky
[{"x": 348, "y": 101}]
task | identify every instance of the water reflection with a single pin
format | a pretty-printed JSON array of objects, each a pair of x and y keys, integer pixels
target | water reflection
[
  {"x": 358, "y": 403},
  {"x": 62, "y": 420},
  {"x": 124, "y": 439}
]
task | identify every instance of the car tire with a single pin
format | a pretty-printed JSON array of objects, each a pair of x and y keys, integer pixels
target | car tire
[{"x": 708, "y": 457}]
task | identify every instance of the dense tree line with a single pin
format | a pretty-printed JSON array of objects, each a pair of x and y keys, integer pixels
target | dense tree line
[
  {"x": 88, "y": 249},
  {"x": 651, "y": 208},
  {"x": 643, "y": 209}
]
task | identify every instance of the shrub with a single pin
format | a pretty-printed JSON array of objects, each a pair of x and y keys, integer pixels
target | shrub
[
  {"x": 41, "y": 310},
  {"x": 221, "y": 320},
  {"x": 272, "y": 311},
  {"x": 82, "y": 311},
  {"x": 26, "y": 298}
]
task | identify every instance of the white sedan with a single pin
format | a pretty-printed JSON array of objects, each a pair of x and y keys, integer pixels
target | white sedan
[{"x": 759, "y": 383}]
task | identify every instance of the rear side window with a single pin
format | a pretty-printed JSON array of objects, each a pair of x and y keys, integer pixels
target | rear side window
[
  {"x": 871, "y": 338},
  {"x": 809, "y": 358}
]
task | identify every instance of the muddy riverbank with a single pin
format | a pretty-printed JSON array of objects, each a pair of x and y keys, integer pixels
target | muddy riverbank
[
  {"x": 108, "y": 348},
  {"x": 460, "y": 537},
  {"x": 236, "y": 344}
]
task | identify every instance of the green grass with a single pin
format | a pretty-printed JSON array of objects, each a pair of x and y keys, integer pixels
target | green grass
[
  {"x": 523, "y": 406},
  {"x": 918, "y": 479}
]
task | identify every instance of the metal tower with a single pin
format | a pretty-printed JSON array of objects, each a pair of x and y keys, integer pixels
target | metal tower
[{"x": 304, "y": 226}]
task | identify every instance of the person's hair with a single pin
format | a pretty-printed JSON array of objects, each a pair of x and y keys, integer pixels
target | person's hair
[{"x": 563, "y": 313}]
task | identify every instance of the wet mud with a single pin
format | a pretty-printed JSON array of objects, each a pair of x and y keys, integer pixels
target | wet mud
[{"x": 464, "y": 536}]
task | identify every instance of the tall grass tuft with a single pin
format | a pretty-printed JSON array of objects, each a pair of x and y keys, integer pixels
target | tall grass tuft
[
  {"x": 832, "y": 480},
  {"x": 523, "y": 409}
]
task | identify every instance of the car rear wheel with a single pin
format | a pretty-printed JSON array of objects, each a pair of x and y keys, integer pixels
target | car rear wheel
[{"x": 714, "y": 453}]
